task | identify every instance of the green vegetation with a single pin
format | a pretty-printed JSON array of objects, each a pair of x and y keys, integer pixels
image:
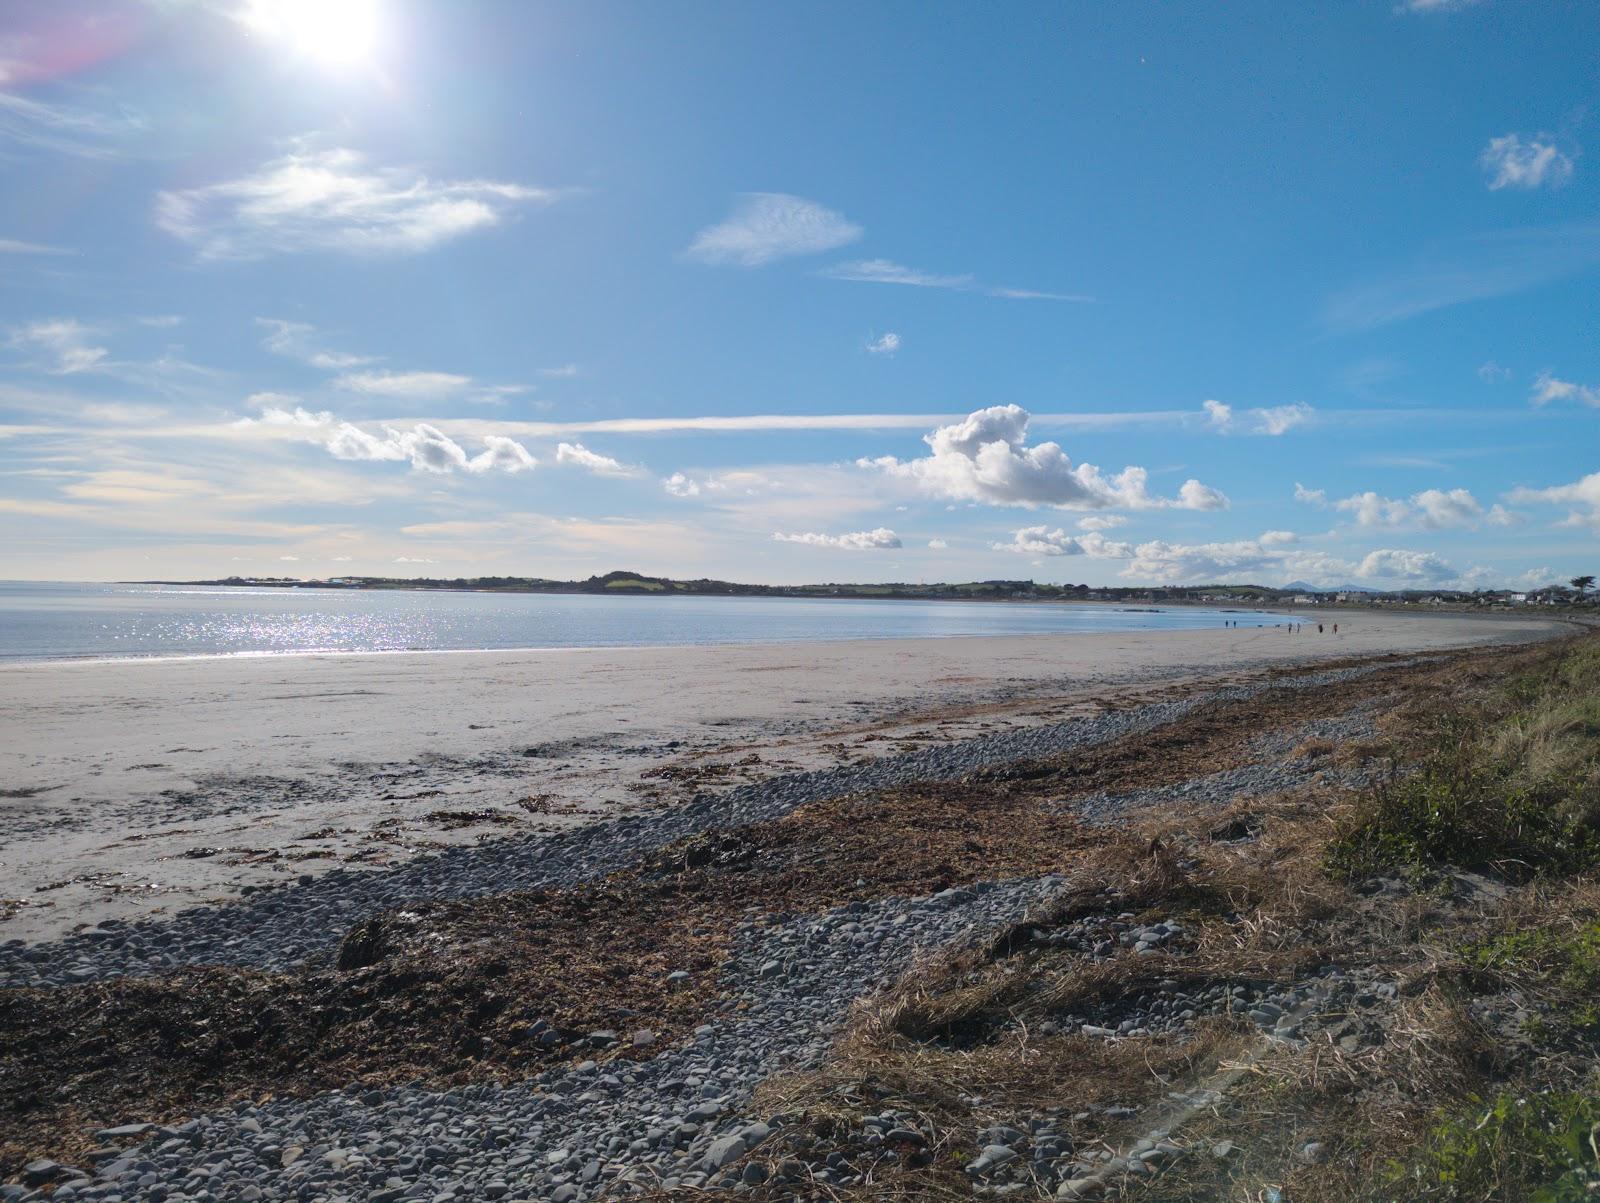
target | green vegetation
[
  {"x": 1540, "y": 1148},
  {"x": 1512, "y": 786},
  {"x": 1560, "y": 960}
]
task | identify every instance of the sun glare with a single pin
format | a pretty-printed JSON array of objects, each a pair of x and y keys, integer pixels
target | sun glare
[{"x": 332, "y": 31}]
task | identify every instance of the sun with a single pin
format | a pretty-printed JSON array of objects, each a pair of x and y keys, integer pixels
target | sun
[{"x": 333, "y": 32}]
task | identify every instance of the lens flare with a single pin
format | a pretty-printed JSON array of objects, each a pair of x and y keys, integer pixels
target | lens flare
[{"x": 333, "y": 32}]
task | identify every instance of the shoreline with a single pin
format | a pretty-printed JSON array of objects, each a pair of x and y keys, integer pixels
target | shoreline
[
  {"x": 140, "y": 787},
  {"x": 326, "y": 653}
]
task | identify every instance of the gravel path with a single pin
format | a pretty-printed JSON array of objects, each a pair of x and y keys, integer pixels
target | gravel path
[{"x": 1277, "y": 770}]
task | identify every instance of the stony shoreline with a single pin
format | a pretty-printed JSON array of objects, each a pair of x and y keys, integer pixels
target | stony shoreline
[{"x": 619, "y": 1110}]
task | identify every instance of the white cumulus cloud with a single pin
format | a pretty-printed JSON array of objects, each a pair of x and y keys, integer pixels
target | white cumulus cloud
[
  {"x": 1514, "y": 162},
  {"x": 1546, "y": 388},
  {"x": 1102, "y": 522},
  {"x": 1042, "y": 541},
  {"x": 1582, "y": 495},
  {"x": 985, "y": 458},
  {"x": 866, "y": 540},
  {"x": 1431, "y": 509},
  {"x": 426, "y": 447},
  {"x": 335, "y": 200},
  {"x": 765, "y": 226},
  {"x": 1269, "y": 420},
  {"x": 1404, "y": 566}
]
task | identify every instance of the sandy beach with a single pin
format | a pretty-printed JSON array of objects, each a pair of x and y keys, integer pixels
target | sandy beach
[{"x": 134, "y": 788}]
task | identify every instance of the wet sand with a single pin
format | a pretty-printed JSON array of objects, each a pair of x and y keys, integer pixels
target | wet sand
[{"x": 129, "y": 788}]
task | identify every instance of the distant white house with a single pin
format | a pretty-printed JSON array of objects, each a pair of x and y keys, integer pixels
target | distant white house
[{"x": 1302, "y": 600}]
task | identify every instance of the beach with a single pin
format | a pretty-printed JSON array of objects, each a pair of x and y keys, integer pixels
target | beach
[{"x": 137, "y": 788}]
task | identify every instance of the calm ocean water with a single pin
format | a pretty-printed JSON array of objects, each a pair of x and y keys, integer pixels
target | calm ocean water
[{"x": 44, "y": 621}]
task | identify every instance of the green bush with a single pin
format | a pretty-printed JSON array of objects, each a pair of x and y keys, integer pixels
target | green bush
[
  {"x": 1566, "y": 959},
  {"x": 1470, "y": 817},
  {"x": 1540, "y": 1149},
  {"x": 1512, "y": 786}
]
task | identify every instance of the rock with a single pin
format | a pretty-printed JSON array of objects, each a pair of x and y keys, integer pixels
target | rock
[
  {"x": 124, "y": 1132},
  {"x": 37, "y": 1173},
  {"x": 1312, "y": 1152},
  {"x": 643, "y": 1038},
  {"x": 1079, "y": 1188},
  {"x": 992, "y": 1157},
  {"x": 723, "y": 1151}
]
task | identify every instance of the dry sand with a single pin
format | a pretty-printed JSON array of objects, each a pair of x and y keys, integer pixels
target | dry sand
[{"x": 132, "y": 787}]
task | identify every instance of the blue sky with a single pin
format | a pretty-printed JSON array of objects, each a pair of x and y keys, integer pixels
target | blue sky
[{"x": 1108, "y": 293}]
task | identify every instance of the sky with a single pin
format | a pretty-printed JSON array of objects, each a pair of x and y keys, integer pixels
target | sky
[{"x": 1116, "y": 294}]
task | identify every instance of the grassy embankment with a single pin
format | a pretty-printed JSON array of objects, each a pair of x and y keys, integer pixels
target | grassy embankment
[{"x": 1463, "y": 877}]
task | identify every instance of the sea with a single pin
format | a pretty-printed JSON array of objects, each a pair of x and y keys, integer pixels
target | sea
[{"x": 53, "y": 621}]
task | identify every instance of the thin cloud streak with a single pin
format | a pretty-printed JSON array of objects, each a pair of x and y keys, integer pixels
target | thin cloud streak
[
  {"x": 886, "y": 271},
  {"x": 1481, "y": 269}
]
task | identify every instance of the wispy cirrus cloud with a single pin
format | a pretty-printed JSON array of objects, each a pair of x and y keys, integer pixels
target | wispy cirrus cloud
[
  {"x": 578, "y": 456},
  {"x": 405, "y": 386},
  {"x": 14, "y": 246},
  {"x": 65, "y": 342},
  {"x": 68, "y": 129},
  {"x": 886, "y": 271},
  {"x": 884, "y": 344},
  {"x": 335, "y": 200},
  {"x": 1460, "y": 272},
  {"x": 298, "y": 341},
  {"x": 881, "y": 539},
  {"x": 1434, "y": 6},
  {"x": 1512, "y": 161},
  {"x": 766, "y": 226},
  {"x": 415, "y": 387}
]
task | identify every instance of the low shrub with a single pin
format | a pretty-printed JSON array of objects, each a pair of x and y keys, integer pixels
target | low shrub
[{"x": 1541, "y": 1148}]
